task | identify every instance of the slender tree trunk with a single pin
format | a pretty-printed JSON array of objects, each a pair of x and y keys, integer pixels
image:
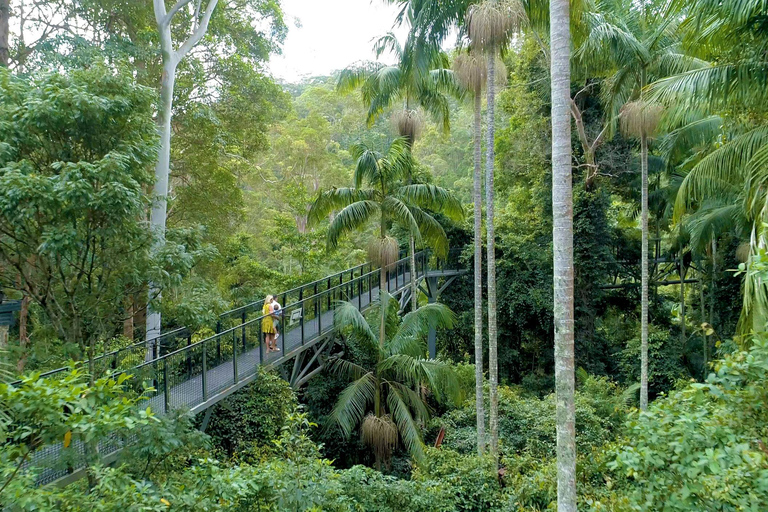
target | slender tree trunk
[
  {"x": 562, "y": 238},
  {"x": 712, "y": 283},
  {"x": 128, "y": 325},
  {"x": 493, "y": 360},
  {"x": 644, "y": 273},
  {"x": 682, "y": 300},
  {"x": 414, "y": 289},
  {"x": 23, "y": 334},
  {"x": 704, "y": 337},
  {"x": 5, "y": 14},
  {"x": 162, "y": 177},
  {"x": 478, "y": 198}
]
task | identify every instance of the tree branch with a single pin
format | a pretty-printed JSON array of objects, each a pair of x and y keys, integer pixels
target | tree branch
[
  {"x": 176, "y": 8},
  {"x": 199, "y": 32}
]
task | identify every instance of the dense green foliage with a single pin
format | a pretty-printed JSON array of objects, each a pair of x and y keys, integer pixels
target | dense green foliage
[{"x": 78, "y": 141}]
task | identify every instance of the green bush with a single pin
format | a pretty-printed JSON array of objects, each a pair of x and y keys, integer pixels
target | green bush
[
  {"x": 246, "y": 423},
  {"x": 527, "y": 423},
  {"x": 473, "y": 480},
  {"x": 701, "y": 448}
]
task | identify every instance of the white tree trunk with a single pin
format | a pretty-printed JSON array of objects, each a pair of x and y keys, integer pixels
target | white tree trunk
[
  {"x": 644, "y": 278},
  {"x": 162, "y": 176},
  {"x": 171, "y": 59},
  {"x": 493, "y": 360},
  {"x": 478, "y": 198},
  {"x": 562, "y": 238}
]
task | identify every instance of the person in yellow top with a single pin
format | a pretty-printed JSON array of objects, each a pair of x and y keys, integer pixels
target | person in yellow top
[{"x": 268, "y": 326}]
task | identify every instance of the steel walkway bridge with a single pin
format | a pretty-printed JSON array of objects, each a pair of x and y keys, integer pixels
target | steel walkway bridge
[{"x": 193, "y": 375}]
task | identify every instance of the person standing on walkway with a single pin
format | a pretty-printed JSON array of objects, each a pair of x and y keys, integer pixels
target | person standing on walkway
[{"x": 267, "y": 324}]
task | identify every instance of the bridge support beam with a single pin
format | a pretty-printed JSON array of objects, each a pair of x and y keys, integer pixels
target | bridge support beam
[{"x": 433, "y": 291}]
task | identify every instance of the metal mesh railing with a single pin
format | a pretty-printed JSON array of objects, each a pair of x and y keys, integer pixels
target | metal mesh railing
[{"x": 194, "y": 374}]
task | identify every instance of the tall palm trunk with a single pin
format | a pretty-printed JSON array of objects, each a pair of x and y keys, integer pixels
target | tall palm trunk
[
  {"x": 478, "y": 198},
  {"x": 493, "y": 360},
  {"x": 644, "y": 278},
  {"x": 414, "y": 289},
  {"x": 682, "y": 300},
  {"x": 712, "y": 282},
  {"x": 703, "y": 313},
  {"x": 562, "y": 245},
  {"x": 5, "y": 14}
]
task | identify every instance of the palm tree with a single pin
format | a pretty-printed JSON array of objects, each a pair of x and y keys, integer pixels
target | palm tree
[
  {"x": 384, "y": 399},
  {"x": 379, "y": 197},
  {"x": 562, "y": 246},
  {"x": 426, "y": 82},
  {"x": 472, "y": 71},
  {"x": 729, "y": 155},
  {"x": 489, "y": 25}
]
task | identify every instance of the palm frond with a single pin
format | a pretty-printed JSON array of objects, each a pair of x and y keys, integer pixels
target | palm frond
[
  {"x": 347, "y": 368},
  {"x": 713, "y": 219},
  {"x": 416, "y": 324},
  {"x": 398, "y": 211},
  {"x": 718, "y": 86},
  {"x": 409, "y": 431},
  {"x": 431, "y": 231},
  {"x": 348, "y": 316},
  {"x": 416, "y": 371},
  {"x": 432, "y": 198},
  {"x": 353, "y": 403},
  {"x": 724, "y": 167},
  {"x": 354, "y": 216},
  {"x": 334, "y": 200},
  {"x": 412, "y": 400}
]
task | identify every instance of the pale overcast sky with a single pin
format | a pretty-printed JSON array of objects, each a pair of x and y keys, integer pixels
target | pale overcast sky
[{"x": 332, "y": 35}]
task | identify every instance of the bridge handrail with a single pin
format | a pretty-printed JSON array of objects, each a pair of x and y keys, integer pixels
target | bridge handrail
[
  {"x": 259, "y": 303},
  {"x": 141, "y": 345},
  {"x": 257, "y": 320},
  {"x": 183, "y": 378}
]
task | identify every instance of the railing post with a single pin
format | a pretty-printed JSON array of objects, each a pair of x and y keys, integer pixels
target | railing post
[
  {"x": 317, "y": 302},
  {"x": 205, "y": 372},
  {"x": 329, "y": 294},
  {"x": 301, "y": 318},
  {"x": 370, "y": 285},
  {"x": 218, "y": 325},
  {"x": 166, "y": 388},
  {"x": 320, "y": 319},
  {"x": 189, "y": 355},
  {"x": 360, "y": 291},
  {"x": 234, "y": 354},
  {"x": 261, "y": 346}
]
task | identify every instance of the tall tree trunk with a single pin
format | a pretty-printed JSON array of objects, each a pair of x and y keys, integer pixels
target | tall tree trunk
[
  {"x": 162, "y": 177},
  {"x": 562, "y": 245},
  {"x": 128, "y": 325},
  {"x": 414, "y": 288},
  {"x": 5, "y": 15},
  {"x": 644, "y": 273},
  {"x": 478, "y": 198},
  {"x": 171, "y": 59},
  {"x": 712, "y": 283},
  {"x": 682, "y": 300},
  {"x": 493, "y": 360},
  {"x": 23, "y": 334},
  {"x": 704, "y": 337}
]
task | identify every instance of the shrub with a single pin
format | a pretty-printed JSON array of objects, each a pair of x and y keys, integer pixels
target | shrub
[
  {"x": 247, "y": 422},
  {"x": 703, "y": 447},
  {"x": 473, "y": 480}
]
